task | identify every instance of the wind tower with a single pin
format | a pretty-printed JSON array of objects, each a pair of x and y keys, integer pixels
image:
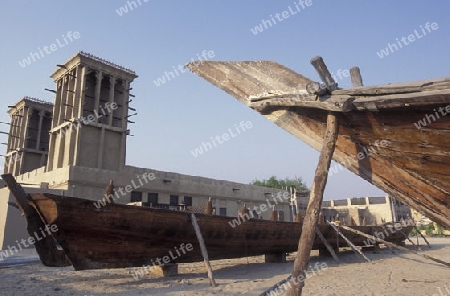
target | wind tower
[
  {"x": 28, "y": 137},
  {"x": 91, "y": 114}
]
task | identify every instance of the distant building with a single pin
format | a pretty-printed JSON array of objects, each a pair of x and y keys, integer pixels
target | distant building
[
  {"x": 28, "y": 139},
  {"x": 75, "y": 146},
  {"x": 366, "y": 210}
]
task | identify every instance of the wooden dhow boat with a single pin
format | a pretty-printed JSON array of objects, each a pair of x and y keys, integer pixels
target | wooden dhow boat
[
  {"x": 117, "y": 235},
  {"x": 411, "y": 121}
]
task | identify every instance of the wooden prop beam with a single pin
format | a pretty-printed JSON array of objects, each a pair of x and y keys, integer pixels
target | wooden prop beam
[
  {"x": 315, "y": 201},
  {"x": 412, "y": 243},
  {"x": 358, "y": 251},
  {"x": 396, "y": 246},
  {"x": 329, "y": 248},
  {"x": 203, "y": 249},
  {"x": 19, "y": 193},
  {"x": 49, "y": 250},
  {"x": 420, "y": 233}
]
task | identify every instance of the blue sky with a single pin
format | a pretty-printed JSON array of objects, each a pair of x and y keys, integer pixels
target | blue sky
[{"x": 176, "y": 117}]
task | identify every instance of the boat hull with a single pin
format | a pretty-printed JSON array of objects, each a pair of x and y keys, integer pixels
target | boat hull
[
  {"x": 117, "y": 236},
  {"x": 412, "y": 119}
]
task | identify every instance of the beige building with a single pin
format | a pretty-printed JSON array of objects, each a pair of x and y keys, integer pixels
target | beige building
[
  {"x": 366, "y": 210},
  {"x": 28, "y": 139},
  {"x": 75, "y": 146}
]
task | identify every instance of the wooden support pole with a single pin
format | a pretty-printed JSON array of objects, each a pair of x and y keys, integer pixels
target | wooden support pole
[
  {"x": 48, "y": 248},
  {"x": 358, "y": 251},
  {"x": 420, "y": 233},
  {"x": 19, "y": 194},
  {"x": 312, "y": 212},
  {"x": 329, "y": 248},
  {"x": 412, "y": 243},
  {"x": 355, "y": 75},
  {"x": 395, "y": 246},
  {"x": 337, "y": 235},
  {"x": 203, "y": 249}
]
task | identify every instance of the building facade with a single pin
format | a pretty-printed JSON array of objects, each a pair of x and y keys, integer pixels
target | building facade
[
  {"x": 366, "y": 210},
  {"x": 77, "y": 144}
]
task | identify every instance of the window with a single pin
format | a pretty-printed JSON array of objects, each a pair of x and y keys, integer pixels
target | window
[
  {"x": 255, "y": 214},
  {"x": 222, "y": 211},
  {"x": 136, "y": 196},
  {"x": 174, "y": 200},
  {"x": 152, "y": 199},
  {"x": 293, "y": 209},
  {"x": 280, "y": 215},
  {"x": 188, "y": 201}
]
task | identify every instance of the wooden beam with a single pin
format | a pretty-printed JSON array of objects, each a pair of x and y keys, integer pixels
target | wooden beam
[
  {"x": 323, "y": 72},
  {"x": 420, "y": 233},
  {"x": 329, "y": 248},
  {"x": 20, "y": 194},
  {"x": 48, "y": 248},
  {"x": 358, "y": 251},
  {"x": 327, "y": 102},
  {"x": 397, "y": 88},
  {"x": 203, "y": 249},
  {"x": 315, "y": 201},
  {"x": 340, "y": 102},
  {"x": 355, "y": 75},
  {"x": 396, "y": 246},
  {"x": 412, "y": 243}
]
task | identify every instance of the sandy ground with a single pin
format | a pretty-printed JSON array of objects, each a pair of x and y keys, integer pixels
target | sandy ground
[{"x": 388, "y": 274}]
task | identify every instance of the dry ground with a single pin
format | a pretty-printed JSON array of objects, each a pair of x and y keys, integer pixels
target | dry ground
[{"x": 388, "y": 274}]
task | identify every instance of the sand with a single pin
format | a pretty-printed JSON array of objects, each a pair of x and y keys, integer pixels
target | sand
[{"x": 388, "y": 274}]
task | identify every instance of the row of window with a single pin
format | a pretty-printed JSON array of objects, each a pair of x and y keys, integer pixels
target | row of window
[{"x": 152, "y": 199}]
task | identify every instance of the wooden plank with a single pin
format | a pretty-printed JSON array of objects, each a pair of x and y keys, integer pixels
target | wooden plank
[
  {"x": 245, "y": 79},
  {"x": 397, "y": 88},
  {"x": 203, "y": 249},
  {"x": 345, "y": 103},
  {"x": 329, "y": 248},
  {"x": 265, "y": 80},
  {"x": 327, "y": 102},
  {"x": 315, "y": 202},
  {"x": 401, "y": 100},
  {"x": 396, "y": 246}
]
